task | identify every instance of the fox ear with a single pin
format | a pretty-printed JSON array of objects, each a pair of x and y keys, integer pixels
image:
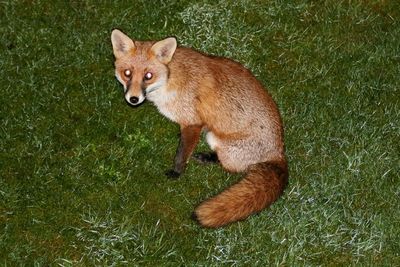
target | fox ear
[
  {"x": 121, "y": 43},
  {"x": 164, "y": 49}
]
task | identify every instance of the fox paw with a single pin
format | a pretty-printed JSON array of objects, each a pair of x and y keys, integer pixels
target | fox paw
[
  {"x": 172, "y": 174},
  {"x": 193, "y": 216},
  {"x": 206, "y": 157}
]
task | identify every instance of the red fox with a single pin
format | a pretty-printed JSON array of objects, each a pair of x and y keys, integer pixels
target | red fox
[{"x": 217, "y": 96}]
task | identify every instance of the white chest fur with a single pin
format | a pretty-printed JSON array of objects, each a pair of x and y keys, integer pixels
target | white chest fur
[
  {"x": 164, "y": 101},
  {"x": 178, "y": 107}
]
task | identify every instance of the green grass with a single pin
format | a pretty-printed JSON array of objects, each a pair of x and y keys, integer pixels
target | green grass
[{"x": 81, "y": 173}]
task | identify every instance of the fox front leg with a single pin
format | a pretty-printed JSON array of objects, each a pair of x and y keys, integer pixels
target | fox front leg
[{"x": 189, "y": 138}]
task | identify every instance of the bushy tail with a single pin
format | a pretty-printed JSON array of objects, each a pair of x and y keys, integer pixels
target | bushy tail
[{"x": 263, "y": 184}]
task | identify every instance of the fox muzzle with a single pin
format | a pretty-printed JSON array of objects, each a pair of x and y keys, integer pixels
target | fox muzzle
[{"x": 134, "y": 93}]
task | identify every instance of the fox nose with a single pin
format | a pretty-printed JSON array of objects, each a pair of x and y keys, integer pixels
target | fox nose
[{"x": 134, "y": 100}]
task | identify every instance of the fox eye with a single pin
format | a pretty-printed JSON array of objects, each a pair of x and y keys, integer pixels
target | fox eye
[
  {"x": 127, "y": 73},
  {"x": 148, "y": 76}
]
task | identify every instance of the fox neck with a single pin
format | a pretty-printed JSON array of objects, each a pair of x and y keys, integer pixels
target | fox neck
[{"x": 164, "y": 100}]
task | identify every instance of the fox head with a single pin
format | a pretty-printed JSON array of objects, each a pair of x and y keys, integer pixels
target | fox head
[{"x": 141, "y": 67}]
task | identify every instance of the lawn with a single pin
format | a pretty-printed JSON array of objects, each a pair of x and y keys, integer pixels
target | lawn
[{"x": 82, "y": 174}]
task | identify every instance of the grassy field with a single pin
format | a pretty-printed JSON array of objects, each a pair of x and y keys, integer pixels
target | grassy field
[{"x": 82, "y": 174}]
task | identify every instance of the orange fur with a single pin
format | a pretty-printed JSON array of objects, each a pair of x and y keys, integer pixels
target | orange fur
[{"x": 222, "y": 98}]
